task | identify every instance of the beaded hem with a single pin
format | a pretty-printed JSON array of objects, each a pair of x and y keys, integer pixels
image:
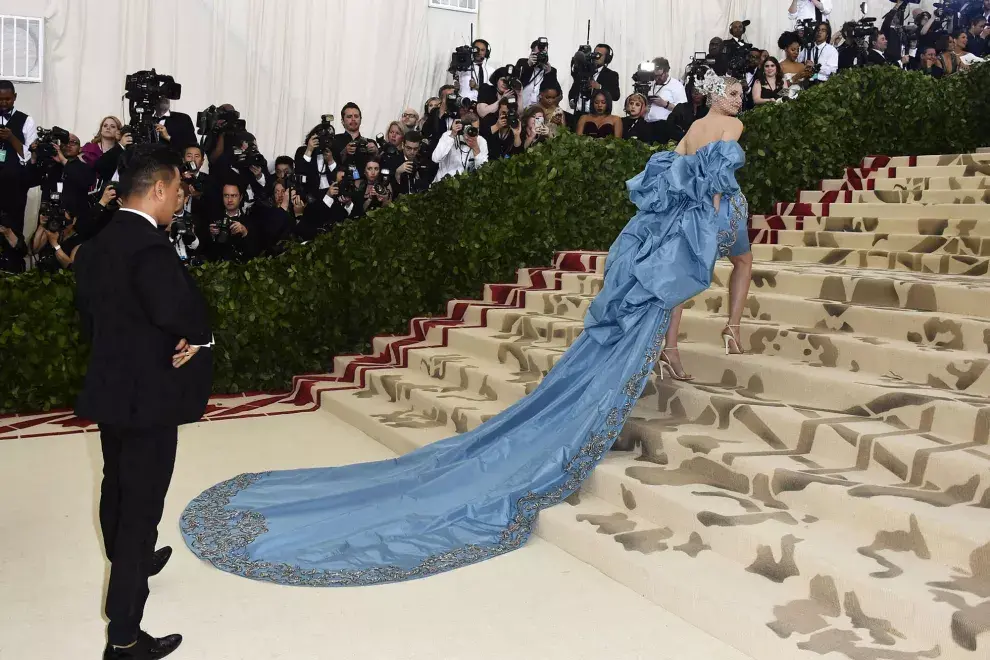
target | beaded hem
[{"x": 221, "y": 534}]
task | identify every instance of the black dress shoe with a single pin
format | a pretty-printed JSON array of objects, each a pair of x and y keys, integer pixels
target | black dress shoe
[
  {"x": 159, "y": 560},
  {"x": 146, "y": 648}
]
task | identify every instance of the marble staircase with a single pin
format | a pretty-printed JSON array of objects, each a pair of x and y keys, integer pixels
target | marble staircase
[{"x": 826, "y": 494}]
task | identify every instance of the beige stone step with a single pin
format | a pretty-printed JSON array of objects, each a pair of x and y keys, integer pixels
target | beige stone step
[
  {"x": 980, "y": 182},
  {"x": 915, "y": 243},
  {"x": 929, "y": 196},
  {"x": 940, "y": 160},
  {"x": 875, "y": 259},
  {"x": 958, "y": 210},
  {"x": 882, "y": 224}
]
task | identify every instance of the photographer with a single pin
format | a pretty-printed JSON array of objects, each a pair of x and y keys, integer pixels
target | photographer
[
  {"x": 175, "y": 128},
  {"x": 504, "y": 137},
  {"x": 979, "y": 34},
  {"x": 603, "y": 78},
  {"x": 878, "y": 50},
  {"x": 57, "y": 168},
  {"x": 318, "y": 216},
  {"x": 230, "y": 236},
  {"x": 685, "y": 114},
  {"x": 89, "y": 224},
  {"x": 315, "y": 162},
  {"x": 55, "y": 242},
  {"x": 390, "y": 146},
  {"x": 417, "y": 171},
  {"x": 821, "y": 59},
  {"x": 350, "y": 147},
  {"x": 376, "y": 188},
  {"x": 665, "y": 93},
  {"x": 202, "y": 197},
  {"x": 474, "y": 83},
  {"x": 461, "y": 149},
  {"x": 181, "y": 230},
  {"x": 802, "y": 10},
  {"x": 12, "y": 247},
  {"x": 17, "y": 132},
  {"x": 536, "y": 129},
  {"x": 220, "y": 126},
  {"x": 507, "y": 85},
  {"x": 440, "y": 119},
  {"x": 535, "y": 70}
]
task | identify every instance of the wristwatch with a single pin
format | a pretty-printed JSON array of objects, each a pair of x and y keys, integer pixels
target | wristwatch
[{"x": 58, "y": 248}]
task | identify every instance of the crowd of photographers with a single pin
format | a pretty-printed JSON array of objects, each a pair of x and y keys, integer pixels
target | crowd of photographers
[{"x": 236, "y": 205}]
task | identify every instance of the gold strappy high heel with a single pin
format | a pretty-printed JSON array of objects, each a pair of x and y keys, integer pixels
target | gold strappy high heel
[
  {"x": 665, "y": 365},
  {"x": 732, "y": 346}
]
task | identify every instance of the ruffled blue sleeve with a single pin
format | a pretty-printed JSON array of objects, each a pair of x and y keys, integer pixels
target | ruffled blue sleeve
[{"x": 666, "y": 253}]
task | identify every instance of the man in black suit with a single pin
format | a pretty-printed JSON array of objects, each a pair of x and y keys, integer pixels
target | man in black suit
[
  {"x": 175, "y": 128},
  {"x": 604, "y": 78},
  {"x": 150, "y": 371},
  {"x": 878, "y": 49}
]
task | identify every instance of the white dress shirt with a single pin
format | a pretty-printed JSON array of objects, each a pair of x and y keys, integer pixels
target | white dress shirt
[
  {"x": 30, "y": 135},
  {"x": 154, "y": 223},
  {"x": 464, "y": 78},
  {"x": 672, "y": 91},
  {"x": 455, "y": 157},
  {"x": 531, "y": 92},
  {"x": 324, "y": 181},
  {"x": 806, "y": 9},
  {"x": 825, "y": 54}
]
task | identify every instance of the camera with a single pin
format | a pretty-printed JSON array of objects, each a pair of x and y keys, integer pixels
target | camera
[
  {"x": 197, "y": 183},
  {"x": 512, "y": 112},
  {"x": 385, "y": 147},
  {"x": 699, "y": 66},
  {"x": 223, "y": 229},
  {"x": 542, "y": 54},
  {"x": 97, "y": 194},
  {"x": 145, "y": 90},
  {"x": 453, "y": 104},
  {"x": 462, "y": 59},
  {"x": 643, "y": 78},
  {"x": 51, "y": 207},
  {"x": 807, "y": 31},
  {"x": 214, "y": 120},
  {"x": 325, "y": 132},
  {"x": 182, "y": 229},
  {"x": 583, "y": 66},
  {"x": 381, "y": 187},
  {"x": 249, "y": 157},
  {"x": 348, "y": 185},
  {"x": 471, "y": 131},
  {"x": 49, "y": 141}
]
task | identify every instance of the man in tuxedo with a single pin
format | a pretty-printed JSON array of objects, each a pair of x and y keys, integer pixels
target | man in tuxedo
[
  {"x": 604, "y": 78},
  {"x": 475, "y": 84},
  {"x": 878, "y": 49},
  {"x": 176, "y": 128},
  {"x": 150, "y": 371}
]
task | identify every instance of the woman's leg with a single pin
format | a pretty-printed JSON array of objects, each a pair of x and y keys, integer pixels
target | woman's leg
[
  {"x": 670, "y": 353},
  {"x": 739, "y": 281}
]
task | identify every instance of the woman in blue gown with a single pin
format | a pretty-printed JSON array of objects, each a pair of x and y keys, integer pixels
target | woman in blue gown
[{"x": 477, "y": 495}]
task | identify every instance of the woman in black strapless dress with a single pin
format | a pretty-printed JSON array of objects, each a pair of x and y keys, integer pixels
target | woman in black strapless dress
[
  {"x": 600, "y": 123},
  {"x": 769, "y": 86}
]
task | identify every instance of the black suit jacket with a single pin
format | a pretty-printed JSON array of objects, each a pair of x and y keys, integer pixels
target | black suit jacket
[
  {"x": 608, "y": 79},
  {"x": 873, "y": 57},
  {"x": 526, "y": 74},
  {"x": 136, "y": 302},
  {"x": 181, "y": 130}
]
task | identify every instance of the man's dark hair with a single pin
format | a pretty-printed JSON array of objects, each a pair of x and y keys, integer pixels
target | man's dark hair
[
  {"x": 958, "y": 32},
  {"x": 450, "y": 87},
  {"x": 7, "y": 86},
  {"x": 974, "y": 20},
  {"x": 351, "y": 106},
  {"x": 196, "y": 147},
  {"x": 414, "y": 136},
  {"x": 285, "y": 160},
  {"x": 662, "y": 63},
  {"x": 143, "y": 165},
  {"x": 874, "y": 35},
  {"x": 551, "y": 84}
]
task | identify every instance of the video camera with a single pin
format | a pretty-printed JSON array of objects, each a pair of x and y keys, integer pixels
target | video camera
[
  {"x": 946, "y": 15},
  {"x": 462, "y": 59},
  {"x": 583, "y": 66},
  {"x": 643, "y": 78},
  {"x": 49, "y": 141},
  {"x": 145, "y": 90},
  {"x": 699, "y": 65},
  {"x": 213, "y": 120},
  {"x": 864, "y": 27},
  {"x": 807, "y": 31}
]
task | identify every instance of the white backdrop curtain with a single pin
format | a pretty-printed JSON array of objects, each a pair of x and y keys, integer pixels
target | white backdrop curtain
[{"x": 283, "y": 63}]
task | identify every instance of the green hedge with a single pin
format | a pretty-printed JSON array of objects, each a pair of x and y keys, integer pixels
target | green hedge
[{"x": 280, "y": 317}]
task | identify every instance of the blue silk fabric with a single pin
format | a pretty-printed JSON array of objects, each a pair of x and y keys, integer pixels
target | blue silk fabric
[{"x": 477, "y": 495}]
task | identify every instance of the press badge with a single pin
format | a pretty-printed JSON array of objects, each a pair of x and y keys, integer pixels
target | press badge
[{"x": 3, "y": 155}]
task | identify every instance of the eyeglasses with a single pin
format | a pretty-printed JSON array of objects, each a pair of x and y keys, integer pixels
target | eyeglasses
[{"x": 409, "y": 114}]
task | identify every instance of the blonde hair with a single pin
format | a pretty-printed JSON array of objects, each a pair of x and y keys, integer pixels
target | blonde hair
[
  {"x": 99, "y": 138},
  {"x": 398, "y": 125}
]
